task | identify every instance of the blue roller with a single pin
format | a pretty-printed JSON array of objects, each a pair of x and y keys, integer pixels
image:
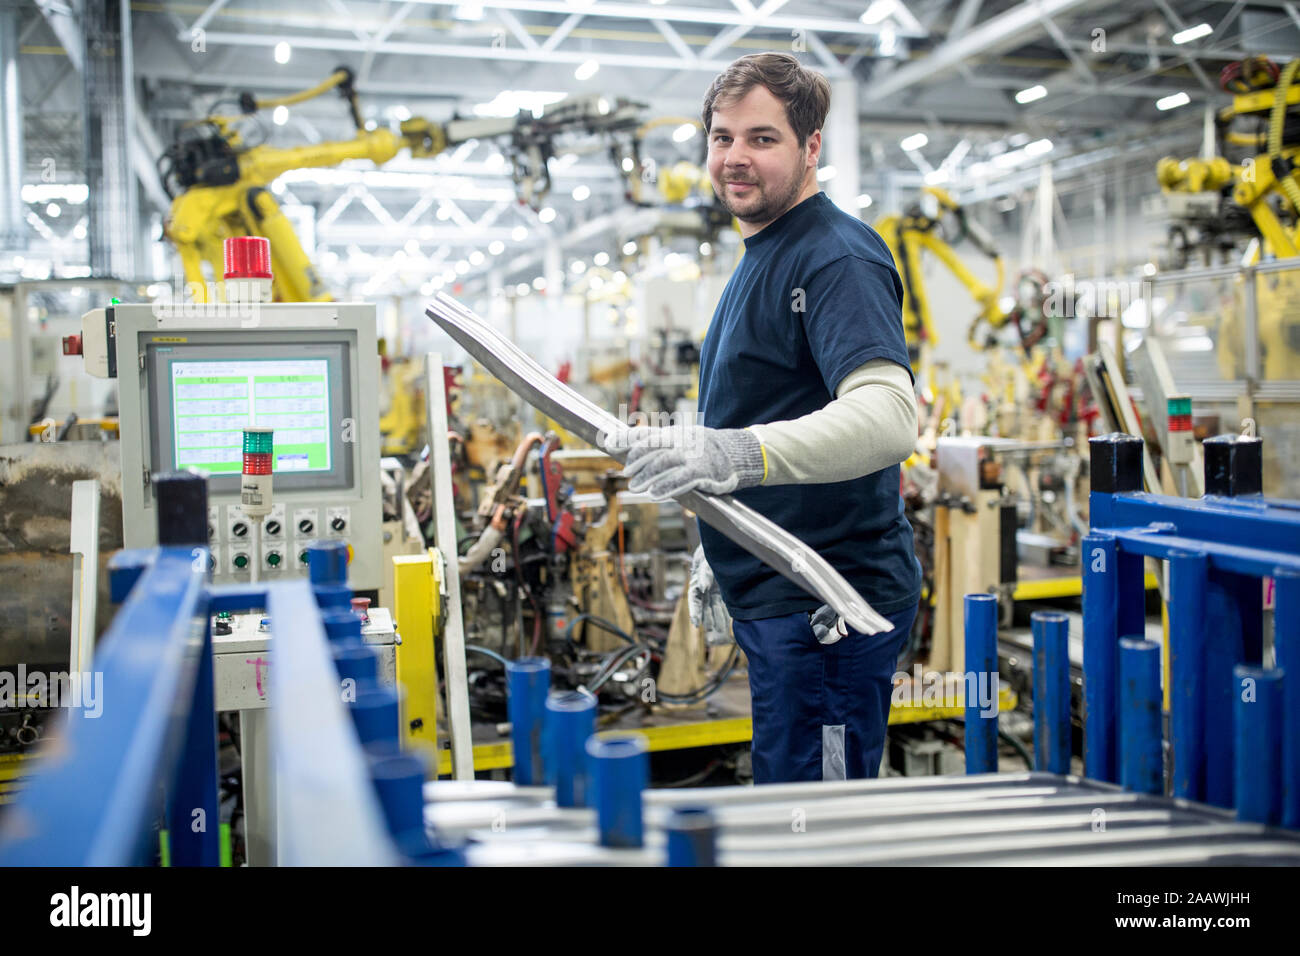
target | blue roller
[
  {"x": 1141, "y": 753},
  {"x": 399, "y": 780},
  {"x": 981, "y": 675},
  {"x": 334, "y": 597},
  {"x": 341, "y": 625},
  {"x": 1257, "y": 783},
  {"x": 327, "y": 563},
  {"x": 1187, "y": 663},
  {"x": 1051, "y": 631},
  {"x": 1286, "y": 650},
  {"x": 355, "y": 661},
  {"x": 529, "y": 680},
  {"x": 692, "y": 837},
  {"x": 376, "y": 713},
  {"x": 570, "y": 720},
  {"x": 620, "y": 769},
  {"x": 1100, "y": 658}
]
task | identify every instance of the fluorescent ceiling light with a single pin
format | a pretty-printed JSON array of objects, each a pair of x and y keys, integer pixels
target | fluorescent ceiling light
[
  {"x": 496, "y": 247},
  {"x": 915, "y": 141},
  {"x": 280, "y": 115},
  {"x": 1193, "y": 33},
  {"x": 282, "y": 52},
  {"x": 864, "y": 201},
  {"x": 877, "y": 11},
  {"x": 1173, "y": 101},
  {"x": 519, "y": 233},
  {"x": 601, "y": 258},
  {"x": 1031, "y": 94},
  {"x": 936, "y": 177},
  {"x": 684, "y": 132},
  {"x": 581, "y": 192},
  {"x": 546, "y": 215},
  {"x": 1038, "y": 147},
  {"x": 587, "y": 70},
  {"x": 468, "y": 11},
  {"x": 825, "y": 173},
  {"x": 74, "y": 193}
]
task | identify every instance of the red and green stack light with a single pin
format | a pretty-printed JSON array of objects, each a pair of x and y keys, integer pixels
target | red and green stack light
[
  {"x": 1182, "y": 440},
  {"x": 1180, "y": 413},
  {"x": 257, "y": 451}
]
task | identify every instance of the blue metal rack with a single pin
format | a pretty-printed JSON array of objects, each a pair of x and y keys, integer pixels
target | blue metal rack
[
  {"x": 94, "y": 798},
  {"x": 1234, "y": 725}
]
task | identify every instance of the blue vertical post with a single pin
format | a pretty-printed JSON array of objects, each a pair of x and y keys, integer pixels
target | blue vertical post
[
  {"x": 529, "y": 680},
  {"x": 1258, "y": 769},
  {"x": 692, "y": 837},
  {"x": 1188, "y": 572},
  {"x": 981, "y": 672},
  {"x": 1051, "y": 631},
  {"x": 193, "y": 815},
  {"x": 1286, "y": 651},
  {"x": 1223, "y": 651},
  {"x": 1141, "y": 750},
  {"x": 570, "y": 720},
  {"x": 620, "y": 770},
  {"x": 1100, "y": 659},
  {"x": 1115, "y": 467}
]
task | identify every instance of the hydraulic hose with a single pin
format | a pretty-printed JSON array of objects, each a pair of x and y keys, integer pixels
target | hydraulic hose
[{"x": 1276, "y": 124}]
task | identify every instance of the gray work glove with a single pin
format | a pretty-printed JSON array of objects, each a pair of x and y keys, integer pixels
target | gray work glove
[
  {"x": 667, "y": 462},
  {"x": 828, "y": 627},
  {"x": 704, "y": 599}
]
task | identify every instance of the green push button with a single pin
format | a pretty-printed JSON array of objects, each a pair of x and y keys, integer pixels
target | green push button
[
  {"x": 241, "y": 561},
  {"x": 302, "y": 557},
  {"x": 273, "y": 559}
]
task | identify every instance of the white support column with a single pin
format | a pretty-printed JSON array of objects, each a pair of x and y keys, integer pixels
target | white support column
[
  {"x": 13, "y": 227},
  {"x": 1207, "y": 133},
  {"x": 1046, "y": 207},
  {"x": 553, "y": 266},
  {"x": 841, "y": 145}
]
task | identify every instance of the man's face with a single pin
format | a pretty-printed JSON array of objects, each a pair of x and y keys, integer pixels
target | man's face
[{"x": 755, "y": 161}]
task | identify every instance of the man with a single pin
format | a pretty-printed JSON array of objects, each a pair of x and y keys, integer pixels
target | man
[{"x": 807, "y": 406}]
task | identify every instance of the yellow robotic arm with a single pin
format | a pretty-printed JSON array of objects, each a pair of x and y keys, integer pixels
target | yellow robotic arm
[{"x": 913, "y": 233}]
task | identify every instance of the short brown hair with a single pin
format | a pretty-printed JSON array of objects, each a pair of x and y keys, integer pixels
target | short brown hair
[{"x": 806, "y": 93}]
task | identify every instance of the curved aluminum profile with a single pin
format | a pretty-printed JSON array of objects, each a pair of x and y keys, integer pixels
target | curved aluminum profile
[{"x": 761, "y": 537}]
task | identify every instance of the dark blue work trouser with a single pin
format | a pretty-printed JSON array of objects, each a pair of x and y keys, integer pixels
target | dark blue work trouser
[{"x": 820, "y": 711}]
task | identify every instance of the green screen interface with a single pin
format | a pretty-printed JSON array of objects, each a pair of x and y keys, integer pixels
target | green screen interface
[{"x": 213, "y": 401}]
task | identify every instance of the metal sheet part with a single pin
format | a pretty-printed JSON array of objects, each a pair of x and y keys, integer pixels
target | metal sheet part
[
  {"x": 988, "y": 819},
  {"x": 764, "y": 539}
]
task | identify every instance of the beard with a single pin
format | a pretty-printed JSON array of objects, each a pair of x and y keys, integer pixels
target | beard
[{"x": 766, "y": 202}]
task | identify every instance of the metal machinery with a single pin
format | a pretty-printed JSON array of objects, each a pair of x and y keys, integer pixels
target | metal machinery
[
  {"x": 919, "y": 230},
  {"x": 347, "y": 796},
  {"x": 1257, "y": 192},
  {"x": 44, "y": 393},
  {"x": 192, "y": 376},
  {"x": 221, "y": 183}
]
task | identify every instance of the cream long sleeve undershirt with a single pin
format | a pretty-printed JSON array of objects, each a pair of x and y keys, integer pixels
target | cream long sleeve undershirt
[{"x": 871, "y": 424}]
